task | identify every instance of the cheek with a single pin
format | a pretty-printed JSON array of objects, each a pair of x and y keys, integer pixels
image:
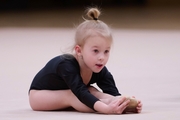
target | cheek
[
  {"x": 87, "y": 53},
  {"x": 89, "y": 58},
  {"x": 107, "y": 57}
]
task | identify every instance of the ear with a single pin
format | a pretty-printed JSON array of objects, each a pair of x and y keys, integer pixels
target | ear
[{"x": 78, "y": 50}]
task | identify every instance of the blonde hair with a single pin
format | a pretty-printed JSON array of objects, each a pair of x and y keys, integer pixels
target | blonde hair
[{"x": 91, "y": 27}]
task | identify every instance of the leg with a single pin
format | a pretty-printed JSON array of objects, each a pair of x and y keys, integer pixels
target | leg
[
  {"x": 61, "y": 99},
  {"x": 104, "y": 97},
  {"x": 55, "y": 100},
  {"x": 107, "y": 99},
  {"x": 99, "y": 94}
]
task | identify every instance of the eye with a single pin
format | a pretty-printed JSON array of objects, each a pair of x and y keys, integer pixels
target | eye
[
  {"x": 106, "y": 51},
  {"x": 96, "y": 51}
]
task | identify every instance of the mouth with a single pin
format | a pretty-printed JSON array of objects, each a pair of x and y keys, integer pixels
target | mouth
[{"x": 99, "y": 65}]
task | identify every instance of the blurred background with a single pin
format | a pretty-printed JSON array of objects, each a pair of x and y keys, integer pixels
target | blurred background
[{"x": 138, "y": 14}]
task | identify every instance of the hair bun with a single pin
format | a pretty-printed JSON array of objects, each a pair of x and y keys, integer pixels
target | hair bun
[{"x": 93, "y": 13}]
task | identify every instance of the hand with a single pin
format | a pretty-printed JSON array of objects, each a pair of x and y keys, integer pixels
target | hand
[
  {"x": 117, "y": 106},
  {"x": 139, "y": 106}
]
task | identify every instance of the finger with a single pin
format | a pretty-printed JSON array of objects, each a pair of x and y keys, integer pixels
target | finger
[
  {"x": 138, "y": 111},
  {"x": 118, "y": 101},
  {"x": 121, "y": 100},
  {"x": 138, "y": 108},
  {"x": 123, "y": 106},
  {"x": 139, "y": 101},
  {"x": 140, "y": 105}
]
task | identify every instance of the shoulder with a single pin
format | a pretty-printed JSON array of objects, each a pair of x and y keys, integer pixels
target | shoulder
[
  {"x": 62, "y": 59},
  {"x": 67, "y": 56},
  {"x": 102, "y": 73},
  {"x": 68, "y": 59},
  {"x": 104, "y": 70},
  {"x": 105, "y": 73},
  {"x": 68, "y": 64}
]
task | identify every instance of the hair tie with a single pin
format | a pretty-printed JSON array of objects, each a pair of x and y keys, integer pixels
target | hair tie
[{"x": 95, "y": 18}]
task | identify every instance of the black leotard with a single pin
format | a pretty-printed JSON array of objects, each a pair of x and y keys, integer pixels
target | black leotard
[{"x": 63, "y": 72}]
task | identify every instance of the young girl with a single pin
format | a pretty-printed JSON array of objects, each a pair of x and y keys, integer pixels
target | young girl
[{"x": 66, "y": 80}]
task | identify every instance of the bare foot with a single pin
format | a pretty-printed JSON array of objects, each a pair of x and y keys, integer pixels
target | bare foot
[{"x": 131, "y": 108}]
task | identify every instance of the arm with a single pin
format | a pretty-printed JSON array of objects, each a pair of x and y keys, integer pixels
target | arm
[
  {"x": 106, "y": 82},
  {"x": 70, "y": 72},
  {"x": 115, "y": 107},
  {"x": 101, "y": 107}
]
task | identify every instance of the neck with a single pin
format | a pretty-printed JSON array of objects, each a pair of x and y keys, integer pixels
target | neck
[
  {"x": 85, "y": 72},
  {"x": 83, "y": 67}
]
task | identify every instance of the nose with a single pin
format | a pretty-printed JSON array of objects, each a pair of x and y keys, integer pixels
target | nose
[{"x": 101, "y": 57}]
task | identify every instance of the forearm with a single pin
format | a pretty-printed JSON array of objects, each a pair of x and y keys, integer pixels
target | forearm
[
  {"x": 101, "y": 107},
  {"x": 116, "y": 106}
]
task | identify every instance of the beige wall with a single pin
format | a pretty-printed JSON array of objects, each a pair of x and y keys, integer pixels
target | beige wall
[{"x": 164, "y": 2}]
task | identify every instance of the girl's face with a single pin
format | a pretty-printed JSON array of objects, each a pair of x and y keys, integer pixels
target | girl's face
[{"x": 95, "y": 52}]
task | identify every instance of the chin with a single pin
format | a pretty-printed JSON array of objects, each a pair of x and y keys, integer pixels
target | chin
[{"x": 97, "y": 71}]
